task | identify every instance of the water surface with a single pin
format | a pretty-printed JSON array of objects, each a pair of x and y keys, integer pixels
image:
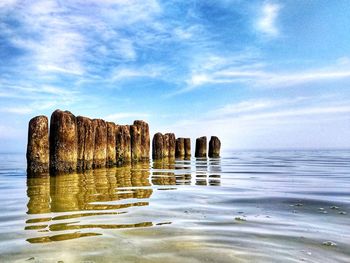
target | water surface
[{"x": 262, "y": 206}]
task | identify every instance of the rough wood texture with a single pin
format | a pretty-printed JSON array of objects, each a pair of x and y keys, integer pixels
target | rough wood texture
[
  {"x": 169, "y": 143},
  {"x": 172, "y": 145},
  {"x": 187, "y": 143},
  {"x": 38, "y": 145},
  {"x": 180, "y": 148},
  {"x": 166, "y": 145},
  {"x": 136, "y": 140},
  {"x": 86, "y": 141},
  {"x": 123, "y": 144},
  {"x": 214, "y": 147},
  {"x": 100, "y": 145},
  {"x": 158, "y": 146},
  {"x": 201, "y": 147},
  {"x": 111, "y": 144},
  {"x": 145, "y": 139},
  {"x": 63, "y": 142},
  {"x": 79, "y": 143}
]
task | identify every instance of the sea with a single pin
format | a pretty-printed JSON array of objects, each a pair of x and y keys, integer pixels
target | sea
[{"x": 247, "y": 206}]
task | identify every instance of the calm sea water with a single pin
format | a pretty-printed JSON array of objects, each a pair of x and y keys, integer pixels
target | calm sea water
[{"x": 263, "y": 206}]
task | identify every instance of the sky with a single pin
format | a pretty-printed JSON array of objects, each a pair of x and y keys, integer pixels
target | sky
[{"x": 258, "y": 74}]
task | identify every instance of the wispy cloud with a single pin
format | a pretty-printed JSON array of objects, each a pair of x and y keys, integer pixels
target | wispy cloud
[
  {"x": 280, "y": 122},
  {"x": 266, "y": 23},
  {"x": 56, "y": 41},
  {"x": 122, "y": 116},
  {"x": 7, "y": 3},
  {"x": 17, "y": 110},
  {"x": 255, "y": 72},
  {"x": 265, "y": 108},
  {"x": 148, "y": 71}
]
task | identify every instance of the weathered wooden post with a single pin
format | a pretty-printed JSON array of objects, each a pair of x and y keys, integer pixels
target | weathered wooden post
[
  {"x": 79, "y": 143},
  {"x": 136, "y": 140},
  {"x": 171, "y": 145},
  {"x": 201, "y": 147},
  {"x": 145, "y": 139},
  {"x": 100, "y": 145},
  {"x": 214, "y": 147},
  {"x": 180, "y": 148},
  {"x": 123, "y": 144},
  {"x": 166, "y": 145},
  {"x": 111, "y": 144},
  {"x": 187, "y": 143},
  {"x": 63, "y": 142},
  {"x": 38, "y": 145},
  {"x": 158, "y": 146},
  {"x": 86, "y": 141}
]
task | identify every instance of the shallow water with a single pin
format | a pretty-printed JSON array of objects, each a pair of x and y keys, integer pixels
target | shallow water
[{"x": 262, "y": 206}]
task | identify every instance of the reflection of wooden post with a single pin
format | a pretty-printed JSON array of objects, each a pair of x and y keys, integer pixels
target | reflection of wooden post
[
  {"x": 201, "y": 147},
  {"x": 86, "y": 140},
  {"x": 111, "y": 143},
  {"x": 38, "y": 145},
  {"x": 187, "y": 143},
  {"x": 158, "y": 146},
  {"x": 100, "y": 146},
  {"x": 135, "y": 135},
  {"x": 65, "y": 192},
  {"x": 145, "y": 139},
  {"x": 214, "y": 147},
  {"x": 123, "y": 144},
  {"x": 63, "y": 142},
  {"x": 38, "y": 192},
  {"x": 180, "y": 147}
]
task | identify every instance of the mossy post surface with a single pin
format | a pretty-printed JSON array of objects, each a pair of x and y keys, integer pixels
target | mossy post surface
[
  {"x": 172, "y": 145},
  {"x": 158, "y": 146},
  {"x": 166, "y": 145},
  {"x": 136, "y": 140},
  {"x": 100, "y": 145},
  {"x": 111, "y": 144},
  {"x": 187, "y": 142},
  {"x": 201, "y": 147},
  {"x": 63, "y": 142},
  {"x": 123, "y": 144},
  {"x": 38, "y": 145},
  {"x": 145, "y": 139},
  {"x": 214, "y": 147},
  {"x": 86, "y": 141},
  {"x": 180, "y": 148}
]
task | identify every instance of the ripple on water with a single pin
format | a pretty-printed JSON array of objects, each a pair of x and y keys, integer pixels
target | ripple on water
[{"x": 270, "y": 206}]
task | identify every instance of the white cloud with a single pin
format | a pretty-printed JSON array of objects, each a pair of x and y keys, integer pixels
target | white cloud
[
  {"x": 267, "y": 21},
  {"x": 292, "y": 79},
  {"x": 56, "y": 38},
  {"x": 125, "y": 49},
  {"x": 266, "y": 123},
  {"x": 254, "y": 72},
  {"x": 17, "y": 110},
  {"x": 126, "y": 116},
  {"x": 245, "y": 106},
  {"x": 148, "y": 71},
  {"x": 7, "y": 3}
]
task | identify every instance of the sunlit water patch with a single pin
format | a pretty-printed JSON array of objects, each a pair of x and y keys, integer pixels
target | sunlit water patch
[{"x": 263, "y": 206}]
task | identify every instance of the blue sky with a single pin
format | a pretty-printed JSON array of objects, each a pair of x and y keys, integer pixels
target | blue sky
[{"x": 259, "y": 74}]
